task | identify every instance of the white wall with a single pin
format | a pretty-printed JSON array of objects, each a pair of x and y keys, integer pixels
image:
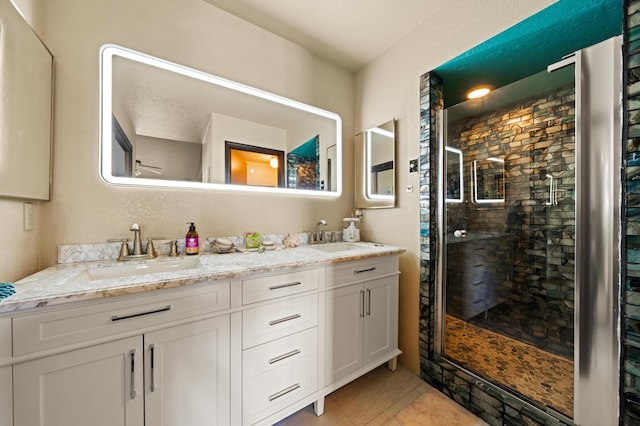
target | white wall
[
  {"x": 194, "y": 33},
  {"x": 390, "y": 88}
]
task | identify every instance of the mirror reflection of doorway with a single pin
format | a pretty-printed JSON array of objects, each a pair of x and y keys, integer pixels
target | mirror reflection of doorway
[{"x": 253, "y": 165}]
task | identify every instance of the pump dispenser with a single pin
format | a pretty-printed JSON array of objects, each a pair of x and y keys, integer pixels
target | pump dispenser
[
  {"x": 351, "y": 234},
  {"x": 191, "y": 245}
]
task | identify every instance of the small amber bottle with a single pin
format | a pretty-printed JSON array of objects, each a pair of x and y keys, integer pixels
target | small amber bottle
[{"x": 191, "y": 245}]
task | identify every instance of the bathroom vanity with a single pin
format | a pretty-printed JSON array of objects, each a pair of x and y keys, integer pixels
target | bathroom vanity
[{"x": 242, "y": 339}]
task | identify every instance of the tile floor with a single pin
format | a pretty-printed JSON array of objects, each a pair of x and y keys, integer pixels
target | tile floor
[
  {"x": 543, "y": 377},
  {"x": 385, "y": 398}
]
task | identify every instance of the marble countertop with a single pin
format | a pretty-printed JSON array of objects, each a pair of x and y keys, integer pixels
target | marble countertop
[{"x": 65, "y": 283}]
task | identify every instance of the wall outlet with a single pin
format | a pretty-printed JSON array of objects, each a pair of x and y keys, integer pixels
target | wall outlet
[
  {"x": 360, "y": 215},
  {"x": 28, "y": 216}
]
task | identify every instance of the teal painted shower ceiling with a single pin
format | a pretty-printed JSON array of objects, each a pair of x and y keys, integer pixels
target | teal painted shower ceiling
[{"x": 529, "y": 46}]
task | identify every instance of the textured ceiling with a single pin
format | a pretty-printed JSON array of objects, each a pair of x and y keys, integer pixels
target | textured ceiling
[
  {"x": 349, "y": 33},
  {"x": 529, "y": 46}
]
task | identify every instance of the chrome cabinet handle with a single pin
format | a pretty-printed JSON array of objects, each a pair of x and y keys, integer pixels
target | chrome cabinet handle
[
  {"x": 152, "y": 350},
  {"x": 285, "y": 319},
  {"x": 132, "y": 356},
  {"x": 362, "y": 303},
  {"x": 283, "y": 392},
  {"x": 368, "y": 302},
  {"x": 284, "y": 356},
  {"x": 360, "y": 271},
  {"x": 277, "y": 286},
  {"x": 140, "y": 314}
]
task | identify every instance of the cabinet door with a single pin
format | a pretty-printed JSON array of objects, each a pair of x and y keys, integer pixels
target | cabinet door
[
  {"x": 381, "y": 318},
  {"x": 6, "y": 403},
  {"x": 344, "y": 317},
  {"x": 187, "y": 374},
  {"x": 98, "y": 386}
]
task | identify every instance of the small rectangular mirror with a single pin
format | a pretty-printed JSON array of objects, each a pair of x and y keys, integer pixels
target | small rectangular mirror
[
  {"x": 375, "y": 167},
  {"x": 455, "y": 185},
  {"x": 488, "y": 180}
]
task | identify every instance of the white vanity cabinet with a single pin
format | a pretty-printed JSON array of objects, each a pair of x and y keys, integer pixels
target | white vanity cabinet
[
  {"x": 362, "y": 317},
  {"x": 100, "y": 385},
  {"x": 249, "y": 351},
  {"x": 6, "y": 381},
  {"x": 280, "y": 342},
  {"x": 169, "y": 375}
]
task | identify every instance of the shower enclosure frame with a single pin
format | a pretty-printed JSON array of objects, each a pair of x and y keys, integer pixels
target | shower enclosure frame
[{"x": 599, "y": 238}]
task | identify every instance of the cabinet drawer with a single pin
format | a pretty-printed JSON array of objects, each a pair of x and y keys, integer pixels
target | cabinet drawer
[
  {"x": 343, "y": 273},
  {"x": 278, "y": 319},
  {"x": 33, "y": 333},
  {"x": 5, "y": 338},
  {"x": 271, "y": 287},
  {"x": 279, "y": 373}
]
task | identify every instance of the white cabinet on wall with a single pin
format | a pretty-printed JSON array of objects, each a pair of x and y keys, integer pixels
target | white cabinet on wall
[
  {"x": 362, "y": 318},
  {"x": 6, "y": 381}
]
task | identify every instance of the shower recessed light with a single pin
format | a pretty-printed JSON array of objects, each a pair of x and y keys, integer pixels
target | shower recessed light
[{"x": 479, "y": 91}]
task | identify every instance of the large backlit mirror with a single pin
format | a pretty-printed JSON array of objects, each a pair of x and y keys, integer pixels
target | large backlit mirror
[
  {"x": 168, "y": 125},
  {"x": 375, "y": 167},
  {"x": 25, "y": 109}
]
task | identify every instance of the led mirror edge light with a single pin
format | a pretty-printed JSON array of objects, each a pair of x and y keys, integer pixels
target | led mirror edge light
[
  {"x": 459, "y": 152},
  {"x": 108, "y": 51}
]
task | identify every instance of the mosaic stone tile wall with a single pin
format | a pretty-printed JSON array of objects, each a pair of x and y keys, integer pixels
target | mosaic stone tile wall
[
  {"x": 535, "y": 137},
  {"x": 631, "y": 337}
]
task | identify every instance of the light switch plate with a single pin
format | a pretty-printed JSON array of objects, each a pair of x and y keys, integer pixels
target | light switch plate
[
  {"x": 28, "y": 216},
  {"x": 413, "y": 166}
]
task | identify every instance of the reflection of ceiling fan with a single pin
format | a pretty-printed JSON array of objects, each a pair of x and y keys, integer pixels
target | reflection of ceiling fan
[{"x": 144, "y": 167}]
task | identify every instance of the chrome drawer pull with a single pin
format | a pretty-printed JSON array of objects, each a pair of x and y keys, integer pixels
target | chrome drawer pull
[
  {"x": 276, "y": 287},
  {"x": 284, "y": 356},
  {"x": 119, "y": 318},
  {"x": 360, "y": 271},
  {"x": 132, "y": 356},
  {"x": 152, "y": 350},
  {"x": 285, "y": 319},
  {"x": 284, "y": 392}
]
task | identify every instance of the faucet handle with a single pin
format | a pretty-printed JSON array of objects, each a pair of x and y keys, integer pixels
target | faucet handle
[
  {"x": 124, "y": 249},
  {"x": 174, "y": 247},
  {"x": 151, "y": 249}
]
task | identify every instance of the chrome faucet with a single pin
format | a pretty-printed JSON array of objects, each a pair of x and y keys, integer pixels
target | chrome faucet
[
  {"x": 318, "y": 236},
  {"x": 137, "y": 245},
  {"x": 125, "y": 254}
]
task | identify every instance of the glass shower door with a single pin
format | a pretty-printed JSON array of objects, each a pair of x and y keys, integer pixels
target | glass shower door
[{"x": 509, "y": 238}]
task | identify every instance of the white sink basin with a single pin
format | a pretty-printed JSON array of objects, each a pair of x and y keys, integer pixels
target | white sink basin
[
  {"x": 337, "y": 247},
  {"x": 150, "y": 267}
]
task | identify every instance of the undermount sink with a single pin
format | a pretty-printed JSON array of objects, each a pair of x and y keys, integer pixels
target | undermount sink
[
  {"x": 337, "y": 247},
  {"x": 151, "y": 267}
]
